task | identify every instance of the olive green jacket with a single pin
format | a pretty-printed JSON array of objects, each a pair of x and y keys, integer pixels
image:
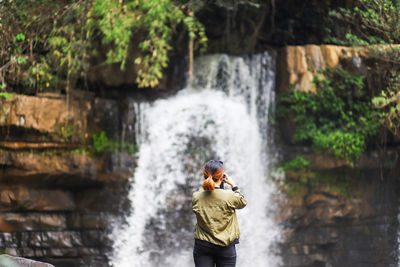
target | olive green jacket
[{"x": 216, "y": 217}]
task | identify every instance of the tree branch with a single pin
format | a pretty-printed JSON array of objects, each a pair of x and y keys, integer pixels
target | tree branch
[{"x": 253, "y": 37}]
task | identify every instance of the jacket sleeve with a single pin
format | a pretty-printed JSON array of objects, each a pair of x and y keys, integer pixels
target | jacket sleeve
[
  {"x": 238, "y": 201},
  {"x": 194, "y": 203}
]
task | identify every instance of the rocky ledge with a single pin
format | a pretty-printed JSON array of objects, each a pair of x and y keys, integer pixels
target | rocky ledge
[
  {"x": 333, "y": 214},
  {"x": 337, "y": 224},
  {"x": 58, "y": 195}
]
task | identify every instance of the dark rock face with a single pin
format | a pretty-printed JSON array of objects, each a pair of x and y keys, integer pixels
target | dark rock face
[
  {"x": 339, "y": 216},
  {"x": 74, "y": 234},
  {"x": 57, "y": 205},
  {"x": 348, "y": 222},
  {"x": 22, "y": 198}
]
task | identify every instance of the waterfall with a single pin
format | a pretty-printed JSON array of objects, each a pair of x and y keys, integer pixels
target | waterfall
[{"x": 224, "y": 116}]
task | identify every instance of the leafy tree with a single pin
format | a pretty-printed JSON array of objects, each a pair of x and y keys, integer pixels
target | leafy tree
[
  {"x": 372, "y": 23},
  {"x": 338, "y": 118},
  {"x": 48, "y": 43},
  {"x": 157, "y": 18},
  {"x": 24, "y": 29}
]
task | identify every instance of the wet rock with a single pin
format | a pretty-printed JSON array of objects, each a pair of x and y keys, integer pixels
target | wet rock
[
  {"x": 57, "y": 204},
  {"x": 65, "y": 262},
  {"x": 334, "y": 228},
  {"x": 324, "y": 161},
  {"x": 31, "y": 112},
  {"x": 62, "y": 252},
  {"x": 89, "y": 251},
  {"x": 296, "y": 260},
  {"x": 103, "y": 199},
  {"x": 52, "y": 221},
  {"x": 63, "y": 239},
  {"x": 332, "y": 53},
  {"x": 315, "y": 59},
  {"x": 290, "y": 210},
  {"x": 94, "y": 221},
  {"x": 298, "y": 65},
  {"x": 91, "y": 220},
  {"x": 24, "y": 240},
  {"x": 23, "y": 198},
  {"x": 9, "y": 240},
  {"x": 115, "y": 166},
  {"x": 27, "y": 252},
  {"x": 39, "y": 252},
  {"x": 98, "y": 261},
  {"x": 95, "y": 238},
  {"x": 25, "y": 164},
  {"x": 74, "y": 220},
  {"x": 33, "y": 221},
  {"x": 107, "y": 116},
  {"x": 318, "y": 199}
]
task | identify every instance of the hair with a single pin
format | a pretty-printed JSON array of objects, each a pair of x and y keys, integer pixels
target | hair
[{"x": 212, "y": 170}]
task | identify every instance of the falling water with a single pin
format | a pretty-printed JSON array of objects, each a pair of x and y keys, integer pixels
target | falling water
[{"x": 223, "y": 115}]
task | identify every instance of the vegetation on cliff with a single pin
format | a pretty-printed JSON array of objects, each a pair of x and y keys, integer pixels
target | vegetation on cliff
[
  {"x": 59, "y": 45},
  {"x": 338, "y": 118},
  {"x": 376, "y": 25},
  {"x": 52, "y": 44},
  {"x": 354, "y": 109}
]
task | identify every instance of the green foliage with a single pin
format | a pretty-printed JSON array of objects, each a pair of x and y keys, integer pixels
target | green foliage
[
  {"x": 323, "y": 182},
  {"x": 372, "y": 22},
  {"x": 297, "y": 176},
  {"x": 339, "y": 186},
  {"x": 338, "y": 118},
  {"x": 57, "y": 40},
  {"x": 378, "y": 22},
  {"x": 388, "y": 100},
  {"x": 70, "y": 42},
  {"x": 157, "y": 18},
  {"x": 24, "y": 27},
  {"x": 342, "y": 144},
  {"x": 80, "y": 151},
  {"x": 41, "y": 76},
  {"x": 102, "y": 143},
  {"x": 294, "y": 189},
  {"x": 301, "y": 180},
  {"x": 67, "y": 132},
  {"x": 6, "y": 95},
  {"x": 298, "y": 163}
]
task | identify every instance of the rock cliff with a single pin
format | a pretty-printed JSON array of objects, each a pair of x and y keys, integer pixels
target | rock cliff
[
  {"x": 333, "y": 214},
  {"x": 57, "y": 197}
]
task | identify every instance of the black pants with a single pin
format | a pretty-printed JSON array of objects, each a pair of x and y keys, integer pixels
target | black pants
[{"x": 209, "y": 255}]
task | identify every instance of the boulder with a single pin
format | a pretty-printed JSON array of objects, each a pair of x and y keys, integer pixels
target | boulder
[
  {"x": 29, "y": 164},
  {"x": 57, "y": 119},
  {"x": 55, "y": 239},
  {"x": 29, "y": 221},
  {"x": 24, "y": 198},
  {"x": 10, "y": 261},
  {"x": 298, "y": 65}
]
